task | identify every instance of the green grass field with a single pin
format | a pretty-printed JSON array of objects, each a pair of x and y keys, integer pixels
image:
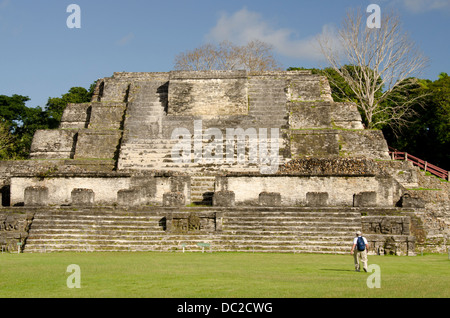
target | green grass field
[{"x": 220, "y": 275}]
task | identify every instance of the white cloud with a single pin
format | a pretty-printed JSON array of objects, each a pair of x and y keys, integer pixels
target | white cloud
[
  {"x": 244, "y": 26},
  {"x": 126, "y": 39}
]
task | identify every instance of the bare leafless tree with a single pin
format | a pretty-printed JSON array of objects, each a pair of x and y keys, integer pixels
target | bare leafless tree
[
  {"x": 201, "y": 58},
  {"x": 255, "y": 56},
  {"x": 378, "y": 64}
]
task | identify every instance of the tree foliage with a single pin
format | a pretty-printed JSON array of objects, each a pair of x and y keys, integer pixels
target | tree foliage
[
  {"x": 428, "y": 136},
  {"x": 22, "y": 122},
  {"x": 56, "y": 105},
  {"x": 19, "y": 122},
  {"x": 6, "y": 138}
]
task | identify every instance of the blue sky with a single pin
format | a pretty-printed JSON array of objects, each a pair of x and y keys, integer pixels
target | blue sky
[{"x": 41, "y": 57}]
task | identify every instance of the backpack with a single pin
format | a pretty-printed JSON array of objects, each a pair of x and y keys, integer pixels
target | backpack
[{"x": 360, "y": 244}]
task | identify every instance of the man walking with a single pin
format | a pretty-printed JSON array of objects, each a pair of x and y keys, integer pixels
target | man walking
[{"x": 359, "y": 251}]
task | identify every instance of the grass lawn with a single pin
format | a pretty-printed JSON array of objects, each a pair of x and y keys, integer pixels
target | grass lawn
[{"x": 220, "y": 275}]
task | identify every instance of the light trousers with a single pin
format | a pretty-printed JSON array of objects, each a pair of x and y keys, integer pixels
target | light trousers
[{"x": 360, "y": 257}]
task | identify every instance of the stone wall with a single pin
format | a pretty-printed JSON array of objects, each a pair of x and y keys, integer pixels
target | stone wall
[
  {"x": 435, "y": 218},
  {"x": 350, "y": 190},
  {"x": 59, "y": 189},
  {"x": 402, "y": 171},
  {"x": 431, "y": 197},
  {"x": 208, "y": 94},
  {"x": 76, "y": 116},
  {"x": 14, "y": 229},
  {"x": 390, "y": 233},
  {"x": 96, "y": 189},
  {"x": 54, "y": 144}
]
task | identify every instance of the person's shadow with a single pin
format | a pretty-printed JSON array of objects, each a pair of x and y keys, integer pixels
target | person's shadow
[{"x": 337, "y": 270}]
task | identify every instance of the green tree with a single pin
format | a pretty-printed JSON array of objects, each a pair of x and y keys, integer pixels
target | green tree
[
  {"x": 428, "y": 136},
  {"x": 56, "y": 105},
  {"x": 6, "y": 138},
  {"x": 22, "y": 121}
]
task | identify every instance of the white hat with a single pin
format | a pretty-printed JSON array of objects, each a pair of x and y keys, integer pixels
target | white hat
[{"x": 358, "y": 233}]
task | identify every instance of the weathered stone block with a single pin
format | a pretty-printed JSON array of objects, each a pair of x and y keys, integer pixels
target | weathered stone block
[
  {"x": 36, "y": 196},
  {"x": 128, "y": 197},
  {"x": 317, "y": 198},
  {"x": 106, "y": 115},
  {"x": 181, "y": 184},
  {"x": 314, "y": 143},
  {"x": 396, "y": 225},
  {"x": 363, "y": 143},
  {"x": 206, "y": 93},
  {"x": 114, "y": 90},
  {"x": 270, "y": 199},
  {"x": 224, "y": 198},
  {"x": 303, "y": 115},
  {"x": 98, "y": 144},
  {"x": 411, "y": 246},
  {"x": 76, "y": 115},
  {"x": 346, "y": 116},
  {"x": 53, "y": 144},
  {"x": 173, "y": 199},
  {"x": 219, "y": 221},
  {"x": 364, "y": 199},
  {"x": 407, "y": 201},
  {"x": 146, "y": 186},
  {"x": 82, "y": 196},
  {"x": 306, "y": 88}
]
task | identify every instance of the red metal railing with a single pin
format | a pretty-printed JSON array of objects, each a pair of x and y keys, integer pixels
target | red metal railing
[{"x": 422, "y": 164}]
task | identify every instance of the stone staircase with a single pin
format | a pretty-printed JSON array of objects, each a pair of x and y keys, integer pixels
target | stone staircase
[
  {"x": 147, "y": 154},
  {"x": 145, "y": 111},
  {"x": 146, "y": 146},
  {"x": 202, "y": 189},
  {"x": 156, "y": 153},
  {"x": 290, "y": 230},
  {"x": 83, "y": 231},
  {"x": 142, "y": 145},
  {"x": 268, "y": 102}
]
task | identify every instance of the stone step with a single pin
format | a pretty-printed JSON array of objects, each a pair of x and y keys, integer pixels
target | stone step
[
  {"x": 202, "y": 189},
  {"x": 319, "y": 213},
  {"x": 275, "y": 235},
  {"x": 127, "y": 248},
  {"x": 328, "y": 231},
  {"x": 290, "y": 219},
  {"x": 146, "y": 240},
  {"x": 286, "y": 244}
]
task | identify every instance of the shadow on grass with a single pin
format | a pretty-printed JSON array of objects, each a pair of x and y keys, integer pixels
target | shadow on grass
[{"x": 337, "y": 270}]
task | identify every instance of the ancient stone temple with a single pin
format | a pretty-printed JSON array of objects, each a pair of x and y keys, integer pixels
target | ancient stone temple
[{"x": 227, "y": 160}]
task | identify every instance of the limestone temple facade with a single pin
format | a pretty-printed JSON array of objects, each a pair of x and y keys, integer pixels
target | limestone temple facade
[{"x": 227, "y": 160}]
